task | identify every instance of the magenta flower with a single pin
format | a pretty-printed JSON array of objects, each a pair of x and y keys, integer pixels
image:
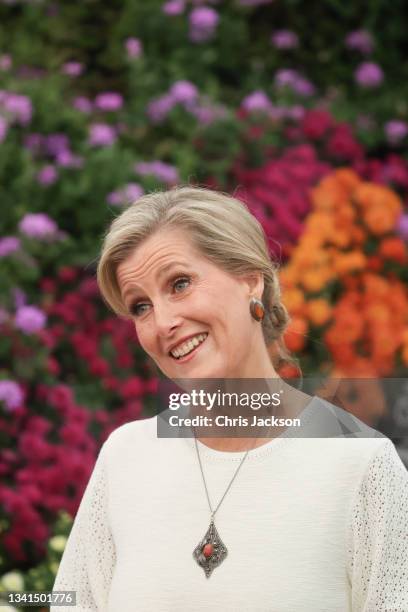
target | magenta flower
[
  {"x": 3, "y": 128},
  {"x": 108, "y": 101},
  {"x": 203, "y": 22},
  {"x": 395, "y": 131},
  {"x": 369, "y": 75},
  {"x": 158, "y": 108},
  {"x": 285, "y": 39},
  {"x": 173, "y": 7},
  {"x": 5, "y": 62},
  {"x": 82, "y": 104},
  {"x": 206, "y": 114},
  {"x": 30, "y": 319},
  {"x": 11, "y": 394},
  {"x": 256, "y": 101},
  {"x": 8, "y": 245},
  {"x": 72, "y": 69},
  {"x": 360, "y": 40},
  {"x": 129, "y": 193},
  {"x": 67, "y": 159},
  {"x": 101, "y": 135},
  {"x": 37, "y": 225},
  {"x": 47, "y": 175},
  {"x": 183, "y": 91},
  {"x": 18, "y": 106},
  {"x": 133, "y": 47},
  {"x": 56, "y": 143},
  {"x": 162, "y": 171}
]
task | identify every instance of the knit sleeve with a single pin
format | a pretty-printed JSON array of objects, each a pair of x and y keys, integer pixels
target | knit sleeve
[
  {"x": 89, "y": 557},
  {"x": 378, "y": 551}
]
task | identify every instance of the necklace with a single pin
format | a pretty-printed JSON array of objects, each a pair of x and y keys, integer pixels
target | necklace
[{"x": 211, "y": 551}]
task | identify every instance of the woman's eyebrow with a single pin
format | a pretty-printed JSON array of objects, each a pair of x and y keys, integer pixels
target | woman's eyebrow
[{"x": 159, "y": 275}]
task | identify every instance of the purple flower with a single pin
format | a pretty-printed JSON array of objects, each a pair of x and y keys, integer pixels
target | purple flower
[
  {"x": 303, "y": 87},
  {"x": 101, "y": 135},
  {"x": 109, "y": 101},
  {"x": 11, "y": 394},
  {"x": 207, "y": 114},
  {"x": 129, "y": 193},
  {"x": 29, "y": 319},
  {"x": 82, "y": 104},
  {"x": 55, "y": 143},
  {"x": 19, "y": 107},
  {"x": 133, "y": 47},
  {"x": 5, "y": 62},
  {"x": 295, "y": 112},
  {"x": 37, "y": 225},
  {"x": 285, "y": 39},
  {"x": 3, "y": 128},
  {"x": 360, "y": 40},
  {"x": 20, "y": 298},
  {"x": 34, "y": 142},
  {"x": 203, "y": 23},
  {"x": 369, "y": 74},
  {"x": 158, "y": 108},
  {"x": 162, "y": 171},
  {"x": 73, "y": 69},
  {"x": 402, "y": 227},
  {"x": 67, "y": 159},
  {"x": 47, "y": 175},
  {"x": 286, "y": 77},
  {"x": 395, "y": 131},
  {"x": 8, "y": 245},
  {"x": 256, "y": 101},
  {"x": 173, "y": 7},
  {"x": 183, "y": 91}
]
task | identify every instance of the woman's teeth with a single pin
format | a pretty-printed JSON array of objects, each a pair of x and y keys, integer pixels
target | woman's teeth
[{"x": 188, "y": 346}]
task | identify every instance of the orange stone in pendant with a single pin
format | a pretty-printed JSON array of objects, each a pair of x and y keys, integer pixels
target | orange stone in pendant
[
  {"x": 258, "y": 311},
  {"x": 208, "y": 550}
]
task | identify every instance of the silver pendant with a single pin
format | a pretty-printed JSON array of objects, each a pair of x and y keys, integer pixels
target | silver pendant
[{"x": 211, "y": 551}]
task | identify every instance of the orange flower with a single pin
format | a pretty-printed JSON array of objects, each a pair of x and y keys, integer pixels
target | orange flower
[
  {"x": 379, "y": 219},
  {"x": 315, "y": 280},
  {"x": 318, "y": 311},
  {"x": 294, "y": 300},
  {"x": 394, "y": 248},
  {"x": 349, "y": 262},
  {"x": 295, "y": 334},
  {"x": 347, "y": 178}
]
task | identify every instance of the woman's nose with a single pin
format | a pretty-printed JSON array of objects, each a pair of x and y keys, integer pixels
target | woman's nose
[{"x": 167, "y": 319}]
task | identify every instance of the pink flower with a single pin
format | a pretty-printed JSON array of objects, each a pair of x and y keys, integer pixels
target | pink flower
[
  {"x": 37, "y": 225},
  {"x": 82, "y": 104},
  {"x": 101, "y": 135},
  {"x": 256, "y": 101},
  {"x": 395, "y": 131},
  {"x": 158, "y": 108},
  {"x": 284, "y": 39},
  {"x": 369, "y": 75},
  {"x": 47, "y": 175},
  {"x": 183, "y": 91},
  {"x": 203, "y": 23},
  {"x": 173, "y": 7},
  {"x": 360, "y": 40},
  {"x": 133, "y": 47},
  {"x": 5, "y": 62},
  {"x": 8, "y": 245},
  {"x": 109, "y": 101},
  {"x": 11, "y": 394},
  {"x": 30, "y": 319},
  {"x": 72, "y": 69}
]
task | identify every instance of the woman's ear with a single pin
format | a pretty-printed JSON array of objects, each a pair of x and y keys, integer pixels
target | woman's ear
[{"x": 254, "y": 282}]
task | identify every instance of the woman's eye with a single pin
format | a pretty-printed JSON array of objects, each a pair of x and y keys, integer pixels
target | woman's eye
[
  {"x": 183, "y": 281},
  {"x": 137, "y": 309}
]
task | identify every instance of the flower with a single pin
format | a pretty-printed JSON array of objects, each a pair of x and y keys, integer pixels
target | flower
[
  {"x": 203, "y": 22},
  {"x": 11, "y": 394},
  {"x": 58, "y": 543},
  {"x": 5, "y": 62},
  {"x": 129, "y": 193},
  {"x": 9, "y": 244},
  {"x": 183, "y": 91},
  {"x": 158, "y": 108},
  {"x": 18, "y": 106},
  {"x": 133, "y": 47},
  {"x": 30, "y": 319},
  {"x": 12, "y": 581},
  {"x": 369, "y": 75},
  {"x": 402, "y": 227},
  {"x": 395, "y": 131},
  {"x": 109, "y": 101},
  {"x": 287, "y": 77},
  {"x": 47, "y": 175},
  {"x": 3, "y": 128},
  {"x": 162, "y": 171},
  {"x": 72, "y": 69},
  {"x": 82, "y": 104},
  {"x": 101, "y": 135},
  {"x": 360, "y": 40},
  {"x": 173, "y": 7},
  {"x": 284, "y": 39},
  {"x": 256, "y": 101},
  {"x": 37, "y": 225}
]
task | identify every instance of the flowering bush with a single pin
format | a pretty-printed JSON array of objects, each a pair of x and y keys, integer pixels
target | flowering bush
[{"x": 345, "y": 284}]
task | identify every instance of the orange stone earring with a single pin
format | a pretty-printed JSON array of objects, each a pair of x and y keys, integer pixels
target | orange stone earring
[{"x": 257, "y": 309}]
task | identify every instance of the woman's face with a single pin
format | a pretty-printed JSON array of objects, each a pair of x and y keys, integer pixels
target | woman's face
[{"x": 190, "y": 316}]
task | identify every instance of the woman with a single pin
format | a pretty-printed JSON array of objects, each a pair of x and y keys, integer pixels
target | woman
[{"x": 289, "y": 524}]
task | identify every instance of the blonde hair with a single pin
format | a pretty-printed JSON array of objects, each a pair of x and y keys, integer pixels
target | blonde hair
[{"x": 221, "y": 228}]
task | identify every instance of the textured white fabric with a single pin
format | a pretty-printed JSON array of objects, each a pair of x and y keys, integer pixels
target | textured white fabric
[{"x": 311, "y": 525}]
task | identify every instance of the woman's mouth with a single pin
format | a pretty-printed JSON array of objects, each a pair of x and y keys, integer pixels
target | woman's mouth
[{"x": 186, "y": 350}]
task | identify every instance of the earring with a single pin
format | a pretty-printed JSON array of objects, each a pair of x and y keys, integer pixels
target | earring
[{"x": 257, "y": 309}]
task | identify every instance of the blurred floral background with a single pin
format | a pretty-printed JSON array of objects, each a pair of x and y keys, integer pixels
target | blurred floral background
[{"x": 298, "y": 109}]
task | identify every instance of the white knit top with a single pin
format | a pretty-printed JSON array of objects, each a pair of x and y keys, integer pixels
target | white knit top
[{"x": 311, "y": 525}]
